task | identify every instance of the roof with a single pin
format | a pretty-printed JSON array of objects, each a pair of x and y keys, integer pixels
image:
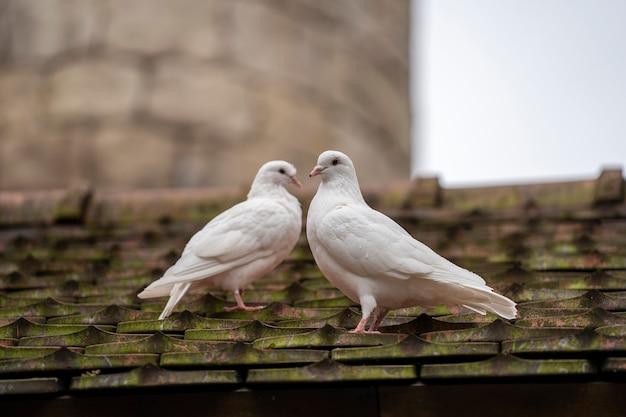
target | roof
[{"x": 72, "y": 328}]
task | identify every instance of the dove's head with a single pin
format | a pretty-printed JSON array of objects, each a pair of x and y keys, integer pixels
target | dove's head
[
  {"x": 333, "y": 165},
  {"x": 338, "y": 176},
  {"x": 279, "y": 173}
]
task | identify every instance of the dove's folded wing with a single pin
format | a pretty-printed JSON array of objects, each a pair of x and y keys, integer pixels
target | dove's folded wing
[
  {"x": 368, "y": 243},
  {"x": 363, "y": 242},
  {"x": 246, "y": 232}
]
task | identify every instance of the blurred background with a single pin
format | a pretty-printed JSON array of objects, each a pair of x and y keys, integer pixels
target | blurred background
[
  {"x": 156, "y": 93},
  {"x": 161, "y": 93}
]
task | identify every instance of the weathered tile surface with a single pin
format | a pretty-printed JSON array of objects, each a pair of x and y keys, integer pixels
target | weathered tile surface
[
  {"x": 89, "y": 336},
  {"x": 70, "y": 320},
  {"x": 66, "y": 360},
  {"x": 30, "y": 386},
  {"x": 507, "y": 366},
  {"x": 331, "y": 371},
  {"x": 248, "y": 332},
  {"x": 587, "y": 341},
  {"x": 152, "y": 376},
  {"x": 241, "y": 354},
  {"x": 178, "y": 322},
  {"x": 496, "y": 331},
  {"x": 413, "y": 347},
  {"x": 326, "y": 337}
]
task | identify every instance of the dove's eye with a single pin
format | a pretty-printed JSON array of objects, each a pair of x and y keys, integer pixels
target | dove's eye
[
  {"x": 282, "y": 171},
  {"x": 335, "y": 161}
]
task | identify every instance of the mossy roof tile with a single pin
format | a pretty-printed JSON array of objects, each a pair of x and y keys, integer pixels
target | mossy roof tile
[{"x": 68, "y": 301}]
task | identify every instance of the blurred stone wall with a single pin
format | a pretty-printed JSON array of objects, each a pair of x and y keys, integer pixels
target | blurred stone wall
[{"x": 162, "y": 93}]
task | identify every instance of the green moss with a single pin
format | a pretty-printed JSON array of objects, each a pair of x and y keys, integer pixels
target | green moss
[
  {"x": 88, "y": 336},
  {"x": 246, "y": 333},
  {"x": 590, "y": 318},
  {"x": 327, "y": 337},
  {"x": 335, "y": 302},
  {"x": 151, "y": 376},
  {"x": 330, "y": 371},
  {"x": 506, "y": 366},
  {"x": 277, "y": 312},
  {"x": 178, "y": 322},
  {"x": 26, "y": 328},
  {"x": 496, "y": 331},
  {"x": 66, "y": 360},
  {"x": 112, "y": 314},
  {"x": 413, "y": 347},
  {"x": 586, "y": 341},
  {"x": 240, "y": 354}
]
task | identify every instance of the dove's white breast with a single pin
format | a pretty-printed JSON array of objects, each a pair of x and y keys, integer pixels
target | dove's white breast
[{"x": 321, "y": 205}]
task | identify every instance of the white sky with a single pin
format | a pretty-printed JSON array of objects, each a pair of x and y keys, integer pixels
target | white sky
[{"x": 518, "y": 90}]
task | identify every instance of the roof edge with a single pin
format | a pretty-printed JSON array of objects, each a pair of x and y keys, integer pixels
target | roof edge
[{"x": 103, "y": 207}]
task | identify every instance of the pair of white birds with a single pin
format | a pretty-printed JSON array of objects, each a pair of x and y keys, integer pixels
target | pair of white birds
[{"x": 364, "y": 253}]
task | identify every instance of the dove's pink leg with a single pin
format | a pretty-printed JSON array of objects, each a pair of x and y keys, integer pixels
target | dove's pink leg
[
  {"x": 241, "y": 306},
  {"x": 368, "y": 304},
  {"x": 379, "y": 316}
]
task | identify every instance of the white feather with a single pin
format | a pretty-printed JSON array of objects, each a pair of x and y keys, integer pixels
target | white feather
[
  {"x": 239, "y": 246},
  {"x": 369, "y": 256}
]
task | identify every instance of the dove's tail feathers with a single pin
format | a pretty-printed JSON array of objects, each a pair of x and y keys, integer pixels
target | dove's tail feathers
[
  {"x": 473, "y": 293},
  {"x": 495, "y": 303},
  {"x": 454, "y": 274},
  {"x": 475, "y": 309},
  {"x": 154, "y": 292},
  {"x": 176, "y": 294}
]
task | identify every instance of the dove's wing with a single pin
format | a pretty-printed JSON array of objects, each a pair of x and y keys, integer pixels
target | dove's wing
[
  {"x": 246, "y": 232},
  {"x": 225, "y": 221},
  {"x": 368, "y": 243}
]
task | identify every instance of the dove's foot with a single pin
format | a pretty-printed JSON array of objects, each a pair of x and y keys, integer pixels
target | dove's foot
[
  {"x": 454, "y": 310},
  {"x": 241, "y": 306},
  {"x": 360, "y": 328},
  {"x": 379, "y": 316}
]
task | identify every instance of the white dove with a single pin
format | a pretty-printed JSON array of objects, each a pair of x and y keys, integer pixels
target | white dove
[
  {"x": 241, "y": 245},
  {"x": 377, "y": 263}
]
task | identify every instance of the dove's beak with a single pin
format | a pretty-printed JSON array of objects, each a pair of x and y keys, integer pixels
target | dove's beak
[
  {"x": 294, "y": 180},
  {"x": 317, "y": 170}
]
